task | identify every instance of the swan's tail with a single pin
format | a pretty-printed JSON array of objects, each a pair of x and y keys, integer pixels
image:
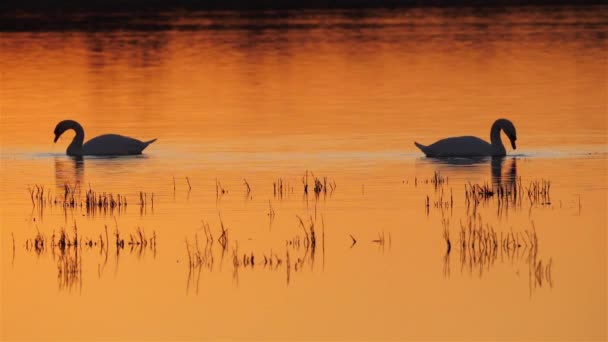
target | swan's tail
[
  {"x": 421, "y": 147},
  {"x": 146, "y": 143}
]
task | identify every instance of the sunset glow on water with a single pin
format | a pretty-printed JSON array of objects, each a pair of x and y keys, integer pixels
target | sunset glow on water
[{"x": 226, "y": 235}]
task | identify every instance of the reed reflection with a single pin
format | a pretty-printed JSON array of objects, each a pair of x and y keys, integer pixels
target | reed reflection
[
  {"x": 67, "y": 246},
  {"x": 481, "y": 244},
  {"x": 297, "y": 255}
]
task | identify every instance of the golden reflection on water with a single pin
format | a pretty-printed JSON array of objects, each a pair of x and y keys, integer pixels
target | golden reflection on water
[
  {"x": 213, "y": 235},
  {"x": 397, "y": 268}
]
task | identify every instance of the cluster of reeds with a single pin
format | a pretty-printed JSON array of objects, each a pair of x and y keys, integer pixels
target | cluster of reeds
[
  {"x": 307, "y": 243},
  {"x": 38, "y": 195},
  {"x": 69, "y": 269},
  {"x": 64, "y": 240},
  {"x": 539, "y": 192},
  {"x": 143, "y": 202},
  {"x": 136, "y": 240},
  {"x": 310, "y": 237},
  {"x": 69, "y": 195},
  {"x": 320, "y": 184},
  {"x": 304, "y": 241},
  {"x": 281, "y": 188},
  {"x": 198, "y": 257},
  {"x": 323, "y": 185},
  {"x": 271, "y": 260},
  {"x": 440, "y": 202},
  {"x": 506, "y": 195},
  {"x": 67, "y": 248},
  {"x": 104, "y": 202},
  {"x": 107, "y": 203},
  {"x": 201, "y": 256},
  {"x": 438, "y": 180},
  {"x": 143, "y": 199},
  {"x": 476, "y": 193},
  {"x": 248, "y": 259},
  {"x": 509, "y": 193},
  {"x": 93, "y": 202},
  {"x": 37, "y": 244}
]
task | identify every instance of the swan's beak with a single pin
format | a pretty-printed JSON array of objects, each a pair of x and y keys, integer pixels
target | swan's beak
[
  {"x": 56, "y": 138},
  {"x": 513, "y": 144}
]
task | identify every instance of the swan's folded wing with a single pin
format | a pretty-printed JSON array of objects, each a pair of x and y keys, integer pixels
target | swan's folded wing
[
  {"x": 466, "y": 146},
  {"x": 113, "y": 145}
]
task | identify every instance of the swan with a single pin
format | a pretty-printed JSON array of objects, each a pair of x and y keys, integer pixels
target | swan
[
  {"x": 469, "y": 146},
  {"x": 103, "y": 145}
]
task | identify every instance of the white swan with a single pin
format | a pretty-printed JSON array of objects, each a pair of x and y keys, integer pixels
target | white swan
[
  {"x": 469, "y": 146},
  {"x": 103, "y": 145}
]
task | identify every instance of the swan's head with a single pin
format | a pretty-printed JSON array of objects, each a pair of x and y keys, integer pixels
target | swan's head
[
  {"x": 62, "y": 127},
  {"x": 509, "y": 129}
]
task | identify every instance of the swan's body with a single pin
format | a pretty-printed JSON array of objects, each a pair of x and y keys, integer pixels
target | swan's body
[
  {"x": 468, "y": 146},
  {"x": 103, "y": 145}
]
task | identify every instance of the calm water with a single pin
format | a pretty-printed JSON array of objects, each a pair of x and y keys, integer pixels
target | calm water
[{"x": 236, "y": 98}]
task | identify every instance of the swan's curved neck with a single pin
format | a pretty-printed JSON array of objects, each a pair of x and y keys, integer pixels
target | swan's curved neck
[
  {"x": 495, "y": 138},
  {"x": 75, "y": 147}
]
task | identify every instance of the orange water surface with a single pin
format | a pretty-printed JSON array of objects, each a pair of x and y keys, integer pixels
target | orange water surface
[{"x": 261, "y": 100}]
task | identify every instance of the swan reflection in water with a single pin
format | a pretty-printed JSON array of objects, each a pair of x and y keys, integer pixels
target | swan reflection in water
[
  {"x": 503, "y": 170},
  {"x": 68, "y": 170},
  {"x": 506, "y": 179}
]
